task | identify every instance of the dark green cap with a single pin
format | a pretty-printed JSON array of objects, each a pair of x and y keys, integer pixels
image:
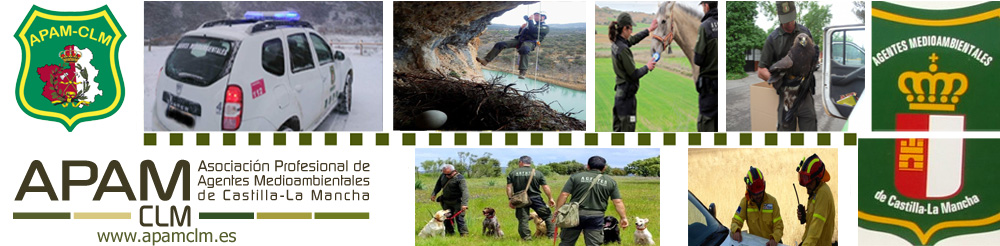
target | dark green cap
[
  {"x": 625, "y": 19},
  {"x": 786, "y": 11}
]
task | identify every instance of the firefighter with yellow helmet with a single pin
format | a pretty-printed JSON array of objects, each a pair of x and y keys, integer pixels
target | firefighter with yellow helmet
[
  {"x": 759, "y": 210},
  {"x": 821, "y": 215}
]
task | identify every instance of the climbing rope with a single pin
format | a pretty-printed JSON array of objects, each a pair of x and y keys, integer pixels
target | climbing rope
[{"x": 538, "y": 37}]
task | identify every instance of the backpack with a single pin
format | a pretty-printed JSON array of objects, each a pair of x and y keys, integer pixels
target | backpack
[
  {"x": 568, "y": 215},
  {"x": 520, "y": 199}
]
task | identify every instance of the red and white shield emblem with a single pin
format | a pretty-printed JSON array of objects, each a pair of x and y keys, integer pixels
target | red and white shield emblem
[{"x": 929, "y": 168}]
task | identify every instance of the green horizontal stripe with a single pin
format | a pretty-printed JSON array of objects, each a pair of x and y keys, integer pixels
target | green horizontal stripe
[
  {"x": 226, "y": 216},
  {"x": 284, "y": 216},
  {"x": 41, "y": 216},
  {"x": 333, "y": 216},
  {"x": 819, "y": 216}
]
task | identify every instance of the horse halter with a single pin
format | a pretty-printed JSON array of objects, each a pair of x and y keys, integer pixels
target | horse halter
[{"x": 665, "y": 40}]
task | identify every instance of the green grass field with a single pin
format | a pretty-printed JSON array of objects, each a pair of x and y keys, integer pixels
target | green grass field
[
  {"x": 641, "y": 196},
  {"x": 667, "y": 102}
]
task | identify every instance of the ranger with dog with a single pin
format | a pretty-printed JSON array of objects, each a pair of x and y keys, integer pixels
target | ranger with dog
[
  {"x": 759, "y": 210},
  {"x": 454, "y": 197},
  {"x": 591, "y": 191},
  {"x": 530, "y": 182}
]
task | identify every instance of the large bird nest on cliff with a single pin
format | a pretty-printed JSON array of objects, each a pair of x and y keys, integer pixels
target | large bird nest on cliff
[{"x": 469, "y": 105}]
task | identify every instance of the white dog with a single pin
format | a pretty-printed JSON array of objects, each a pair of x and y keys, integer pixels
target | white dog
[
  {"x": 435, "y": 227},
  {"x": 642, "y": 236}
]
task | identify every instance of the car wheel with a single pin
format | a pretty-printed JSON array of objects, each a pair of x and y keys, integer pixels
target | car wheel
[
  {"x": 344, "y": 106},
  {"x": 290, "y": 125}
]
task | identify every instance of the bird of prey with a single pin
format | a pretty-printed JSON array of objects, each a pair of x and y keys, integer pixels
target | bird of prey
[{"x": 793, "y": 69}]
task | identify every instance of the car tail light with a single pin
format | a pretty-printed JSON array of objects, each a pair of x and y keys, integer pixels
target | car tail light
[{"x": 232, "y": 108}]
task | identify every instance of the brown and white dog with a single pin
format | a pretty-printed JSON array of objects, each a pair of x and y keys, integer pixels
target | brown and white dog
[
  {"x": 491, "y": 226},
  {"x": 642, "y": 235},
  {"x": 540, "y": 227},
  {"x": 435, "y": 227}
]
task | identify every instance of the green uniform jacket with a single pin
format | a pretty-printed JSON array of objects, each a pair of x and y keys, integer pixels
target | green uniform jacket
[
  {"x": 454, "y": 191},
  {"x": 706, "y": 54},
  {"x": 626, "y": 74},
  {"x": 519, "y": 178},
  {"x": 605, "y": 188},
  {"x": 763, "y": 220}
]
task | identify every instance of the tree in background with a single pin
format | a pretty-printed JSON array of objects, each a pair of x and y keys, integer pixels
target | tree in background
[
  {"x": 484, "y": 166},
  {"x": 430, "y": 166},
  {"x": 566, "y": 167},
  {"x": 545, "y": 169},
  {"x": 512, "y": 164},
  {"x": 859, "y": 11},
  {"x": 812, "y": 15},
  {"x": 741, "y": 35},
  {"x": 614, "y": 171},
  {"x": 462, "y": 164},
  {"x": 646, "y": 167}
]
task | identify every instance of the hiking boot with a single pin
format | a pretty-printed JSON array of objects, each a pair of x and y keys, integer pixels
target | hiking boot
[
  {"x": 521, "y": 75},
  {"x": 481, "y": 61}
]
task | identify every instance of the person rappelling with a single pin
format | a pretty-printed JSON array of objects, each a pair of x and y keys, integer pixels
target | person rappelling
[{"x": 531, "y": 35}]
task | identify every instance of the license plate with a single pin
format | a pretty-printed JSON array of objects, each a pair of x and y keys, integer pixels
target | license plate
[{"x": 181, "y": 104}]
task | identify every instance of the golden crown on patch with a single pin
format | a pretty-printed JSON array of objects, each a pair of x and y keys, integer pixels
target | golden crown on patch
[{"x": 944, "y": 89}]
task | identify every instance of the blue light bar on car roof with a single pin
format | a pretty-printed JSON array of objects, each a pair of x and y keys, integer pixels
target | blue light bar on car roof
[{"x": 272, "y": 15}]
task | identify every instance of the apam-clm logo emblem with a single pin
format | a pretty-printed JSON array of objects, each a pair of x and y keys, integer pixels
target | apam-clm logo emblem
[{"x": 69, "y": 65}]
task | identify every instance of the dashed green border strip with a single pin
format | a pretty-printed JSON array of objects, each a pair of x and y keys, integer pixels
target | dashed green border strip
[
  {"x": 72, "y": 215},
  {"x": 201, "y": 215},
  {"x": 499, "y": 139}
]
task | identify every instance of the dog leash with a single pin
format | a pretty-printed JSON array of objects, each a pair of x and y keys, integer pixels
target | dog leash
[
  {"x": 452, "y": 218},
  {"x": 555, "y": 234}
]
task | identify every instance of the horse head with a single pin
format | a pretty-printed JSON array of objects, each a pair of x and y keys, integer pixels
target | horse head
[{"x": 666, "y": 26}]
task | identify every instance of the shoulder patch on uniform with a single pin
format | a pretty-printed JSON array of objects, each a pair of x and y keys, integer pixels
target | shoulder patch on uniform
[
  {"x": 738, "y": 209},
  {"x": 769, "y": 206}
]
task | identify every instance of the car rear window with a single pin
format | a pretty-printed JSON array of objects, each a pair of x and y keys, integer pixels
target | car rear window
[
  {"x": 273, "y": 57},
  {"x": 199, "y": 60}
]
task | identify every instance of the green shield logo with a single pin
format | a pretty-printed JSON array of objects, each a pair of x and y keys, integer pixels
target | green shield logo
[
  {"x": 926, "y": 190},
  {"x": 69, "y": 65},
  {"x": 935, "y": 66}
]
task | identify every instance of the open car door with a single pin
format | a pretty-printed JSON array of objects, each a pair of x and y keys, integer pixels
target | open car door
[{"x": 843, "y": 68}]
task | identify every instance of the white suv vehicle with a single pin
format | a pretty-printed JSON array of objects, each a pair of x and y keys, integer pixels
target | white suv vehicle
[{"x": 265, "y": 72}]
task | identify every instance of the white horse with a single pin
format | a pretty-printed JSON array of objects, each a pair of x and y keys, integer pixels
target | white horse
[{"x": 683, "y": 21}]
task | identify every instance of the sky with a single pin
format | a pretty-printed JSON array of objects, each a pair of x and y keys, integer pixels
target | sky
[
  {"x": 557, "y": 12},
  {"x": 616, "y": 157},
  {"x": 639, "y": 6}
]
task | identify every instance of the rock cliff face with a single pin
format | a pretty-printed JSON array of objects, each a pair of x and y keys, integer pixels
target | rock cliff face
[{"x": 442, "y": 37}]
